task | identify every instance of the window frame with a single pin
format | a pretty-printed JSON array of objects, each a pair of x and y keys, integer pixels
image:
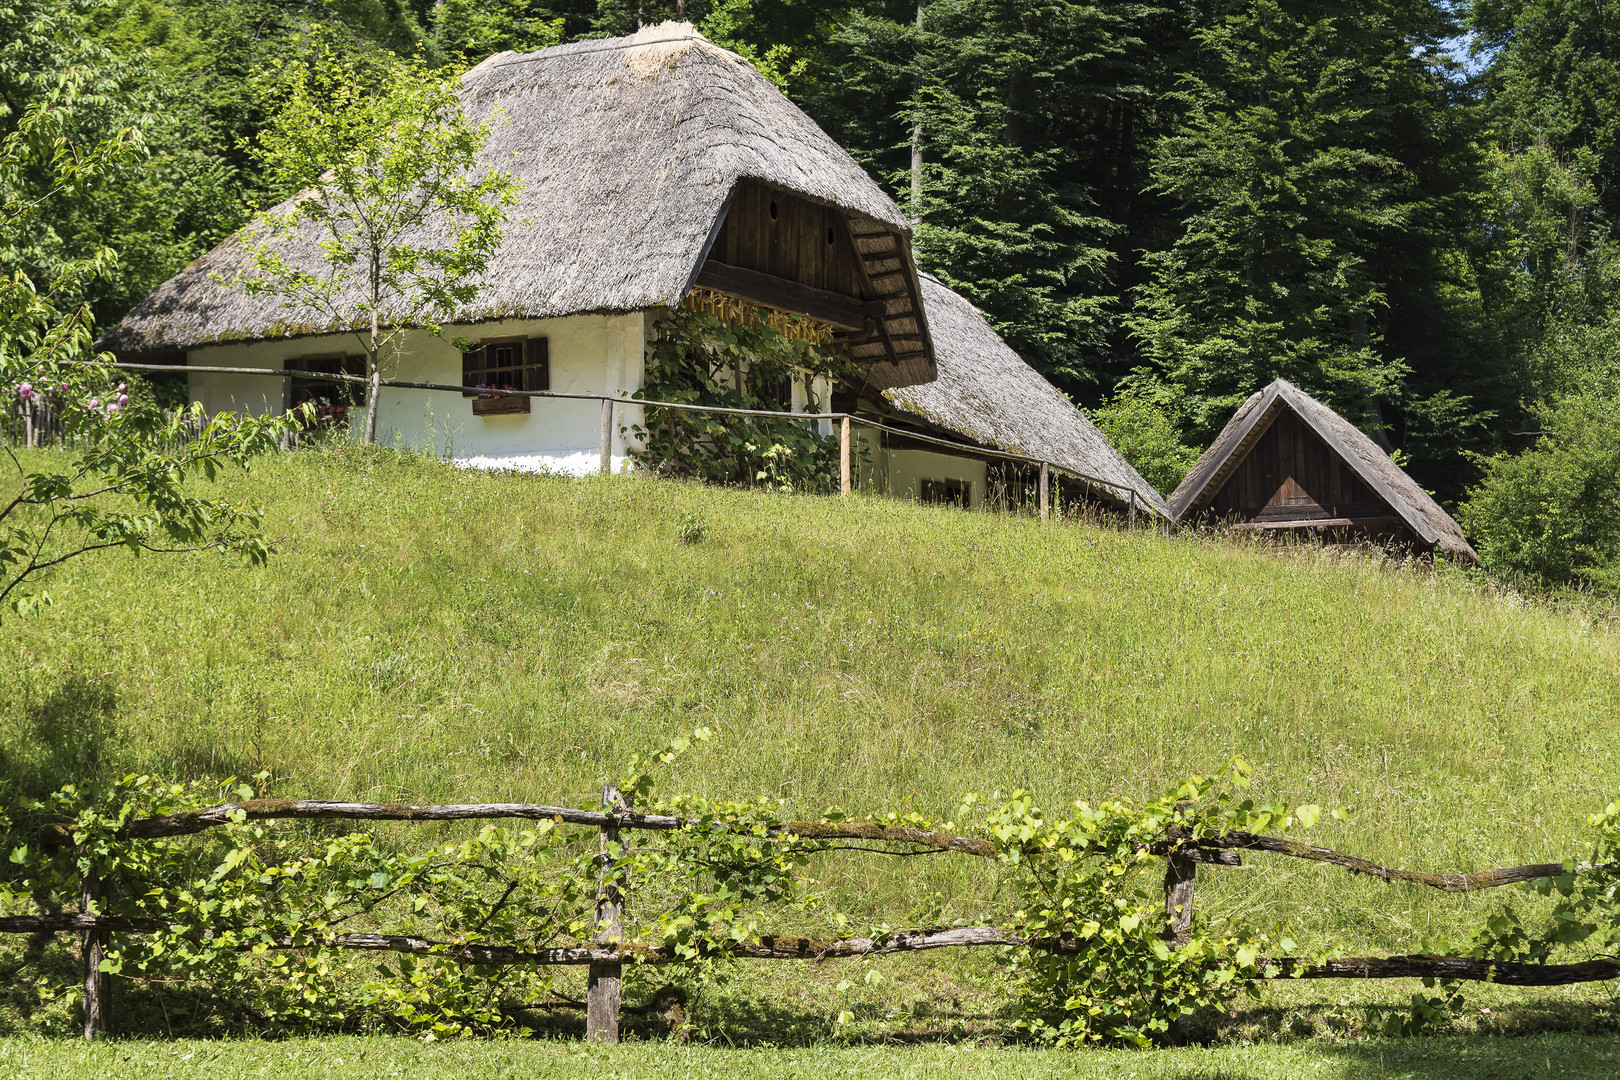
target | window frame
[{"x": 532, "y": 372}]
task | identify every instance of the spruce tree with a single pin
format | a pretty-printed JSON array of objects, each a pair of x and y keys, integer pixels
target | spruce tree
[{"x": 1316, "y": 175}]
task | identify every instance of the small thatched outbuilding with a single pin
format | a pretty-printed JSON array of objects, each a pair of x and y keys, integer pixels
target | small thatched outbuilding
[
  {"x": 651, "y": 165},
  {"x": 1287, "y": 462},
  {"x": 987, "y": 395}
]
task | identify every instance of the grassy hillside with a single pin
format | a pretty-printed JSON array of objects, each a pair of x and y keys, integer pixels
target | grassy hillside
[{"x": 431, "y": 634}]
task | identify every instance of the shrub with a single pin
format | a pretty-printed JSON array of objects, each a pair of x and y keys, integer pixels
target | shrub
[
  {"x": 1149, "y": 437},
  {"x": 1552, "y": 513}
]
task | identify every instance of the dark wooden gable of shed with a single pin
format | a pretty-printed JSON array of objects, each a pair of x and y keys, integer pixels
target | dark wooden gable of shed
[
  {"x": 779, "y": 249},
  {"x": 1290, "y": 474}
]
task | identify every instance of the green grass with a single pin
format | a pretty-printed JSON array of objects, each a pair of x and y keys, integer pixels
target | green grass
[
  {"x": 430, "y": 634},
  {"x": 376, "y": 1059}
]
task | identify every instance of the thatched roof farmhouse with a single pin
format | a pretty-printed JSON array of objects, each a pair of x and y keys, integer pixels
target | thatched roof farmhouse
[
  {"x": 1285, "y": 461},
  {"x": 655, "y": 169},
  {"x": 631, "y": 151}
]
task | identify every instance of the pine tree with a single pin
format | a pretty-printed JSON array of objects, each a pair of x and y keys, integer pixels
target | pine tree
[
  {"x": 1021, "y": 117},
  {"x": 1317, "y": 176}
]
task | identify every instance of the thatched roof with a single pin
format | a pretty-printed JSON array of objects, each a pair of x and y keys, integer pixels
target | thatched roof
[
  {"x": 1389, "y": 481},
  {"x": 627, "y": 150},
  {"x": 987, "y": 393}
]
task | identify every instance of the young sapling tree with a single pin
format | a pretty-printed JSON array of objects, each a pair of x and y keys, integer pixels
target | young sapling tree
[
  {"x": 126, "y": 483},
  {"x": 395, "y": 218}
]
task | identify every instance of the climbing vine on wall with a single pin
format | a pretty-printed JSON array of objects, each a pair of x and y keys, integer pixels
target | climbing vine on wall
[{"x": 718, "y": 351}]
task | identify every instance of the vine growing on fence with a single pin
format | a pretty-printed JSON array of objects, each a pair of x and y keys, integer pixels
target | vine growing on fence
[
  {"x": 1092, "y": 876},
  {"x": 288, "y": 928}
]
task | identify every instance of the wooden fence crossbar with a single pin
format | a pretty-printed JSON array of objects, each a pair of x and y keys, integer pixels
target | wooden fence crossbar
[
  {"x": 1209, "y": 850},
  {"x": 787, "y": 947}
]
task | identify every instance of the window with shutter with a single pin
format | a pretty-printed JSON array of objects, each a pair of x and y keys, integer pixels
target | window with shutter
[
  {"x": 505, "y": 364},
  {"x": 331, "y": 398}
]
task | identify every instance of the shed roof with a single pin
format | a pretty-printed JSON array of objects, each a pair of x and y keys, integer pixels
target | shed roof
[
  {"x": 986, "y": 392},
  {"x": 627, "y": 150},
  {"x": 1410, "y": 502}
]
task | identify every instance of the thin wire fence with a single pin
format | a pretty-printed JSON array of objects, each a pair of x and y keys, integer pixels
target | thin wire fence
[
  {"x": 40, "y": 423},
  {"x": 1125, "y": 495}
]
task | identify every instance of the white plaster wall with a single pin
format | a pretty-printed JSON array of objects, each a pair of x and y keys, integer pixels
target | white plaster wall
[
  {"x": 590, "y": 354},
  {"x": 901, "y": 472}
]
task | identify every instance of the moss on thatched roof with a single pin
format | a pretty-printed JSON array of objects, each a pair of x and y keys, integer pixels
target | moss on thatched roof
[
  {"x": 987, "y": 393},
  {"x": 627, "y": 149}
]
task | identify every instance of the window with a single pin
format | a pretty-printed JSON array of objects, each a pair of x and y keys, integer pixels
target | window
[
  {"x": 509, "y": 364},
  {"x": 775, "y": 393},
  {"x": 946, "y": 492},
  {"x": 331, "y": 398}
]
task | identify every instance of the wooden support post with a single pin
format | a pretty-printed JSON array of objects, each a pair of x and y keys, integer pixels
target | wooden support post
[
  {"x": 93, "y": 951},
  {"x": 1180, "y": 874},
  {"x": 607, "y": 437},
  {"x": 604, "y": 989},
  {"x": 1046, "y": 502},
  {"x": 1132, "y": 520},
  {"x": 843, "y": 456}
]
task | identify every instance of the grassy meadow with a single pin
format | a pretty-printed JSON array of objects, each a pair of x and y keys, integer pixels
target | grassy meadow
[
  {"x": 371, "y": 1058},
  {"x": 430, "y": 634}
]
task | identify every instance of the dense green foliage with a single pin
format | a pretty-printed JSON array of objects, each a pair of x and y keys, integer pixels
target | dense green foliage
[
  {"x": 125, "y": 485},
  {"x": 698, "y": 357},
  {"x": 1148, "y": 434},
  {"x": 1552, "y": 513}
]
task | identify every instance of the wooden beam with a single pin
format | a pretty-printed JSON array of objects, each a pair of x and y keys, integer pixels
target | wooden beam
[
  {"x": 843, "y": 457},
  {"x": 844, "y": 312}
]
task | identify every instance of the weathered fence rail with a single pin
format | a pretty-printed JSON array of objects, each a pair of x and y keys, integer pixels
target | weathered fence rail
[{"x": 608, "y": 952}]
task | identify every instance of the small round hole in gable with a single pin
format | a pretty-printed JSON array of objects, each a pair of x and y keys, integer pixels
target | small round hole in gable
[{"x": 773, "y": 209}]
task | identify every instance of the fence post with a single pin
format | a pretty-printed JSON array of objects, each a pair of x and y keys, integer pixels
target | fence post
[
  {"x": 93, "y": 951},
  {"x": 1180, "y": 875},
  {"x": 605, "y": 986},
  {"x": 843, "y": 456},
  {"x": 607, "y": 437},
  {"x": 1046, "y": 501}
]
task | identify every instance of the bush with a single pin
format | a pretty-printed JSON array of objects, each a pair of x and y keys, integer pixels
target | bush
[
  {"x": 1149, "y": 437},
  {"x": 1552, "y": 513}
]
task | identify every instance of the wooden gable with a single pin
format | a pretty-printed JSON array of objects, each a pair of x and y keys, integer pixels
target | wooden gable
[
  {"x": 784, "y": 251},
  {"x": 1290, "y": 478},
  {"x": 770, "y": 231}
]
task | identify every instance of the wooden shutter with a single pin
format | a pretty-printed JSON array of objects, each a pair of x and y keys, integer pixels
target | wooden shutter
[
  {"x": 537, "y": 355},
  {"x": 472, "y": 368}
]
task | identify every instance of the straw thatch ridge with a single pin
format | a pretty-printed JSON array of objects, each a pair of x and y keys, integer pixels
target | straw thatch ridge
[
  {"x": 987, "y": 393},
  {"x": 627, "y": 150},
  {"x": 1410, "y": 502}
]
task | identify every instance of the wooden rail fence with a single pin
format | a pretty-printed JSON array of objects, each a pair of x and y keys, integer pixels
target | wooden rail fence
[{"x": 608, "y": 952}]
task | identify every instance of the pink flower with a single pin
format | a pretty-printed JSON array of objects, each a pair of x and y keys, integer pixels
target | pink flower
[
  {"x": 95, "y": 403},
  {"x": 25, "y": 392},
  {"x": 123, "y": 399},
  {"x": 120, "y": 388}
]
